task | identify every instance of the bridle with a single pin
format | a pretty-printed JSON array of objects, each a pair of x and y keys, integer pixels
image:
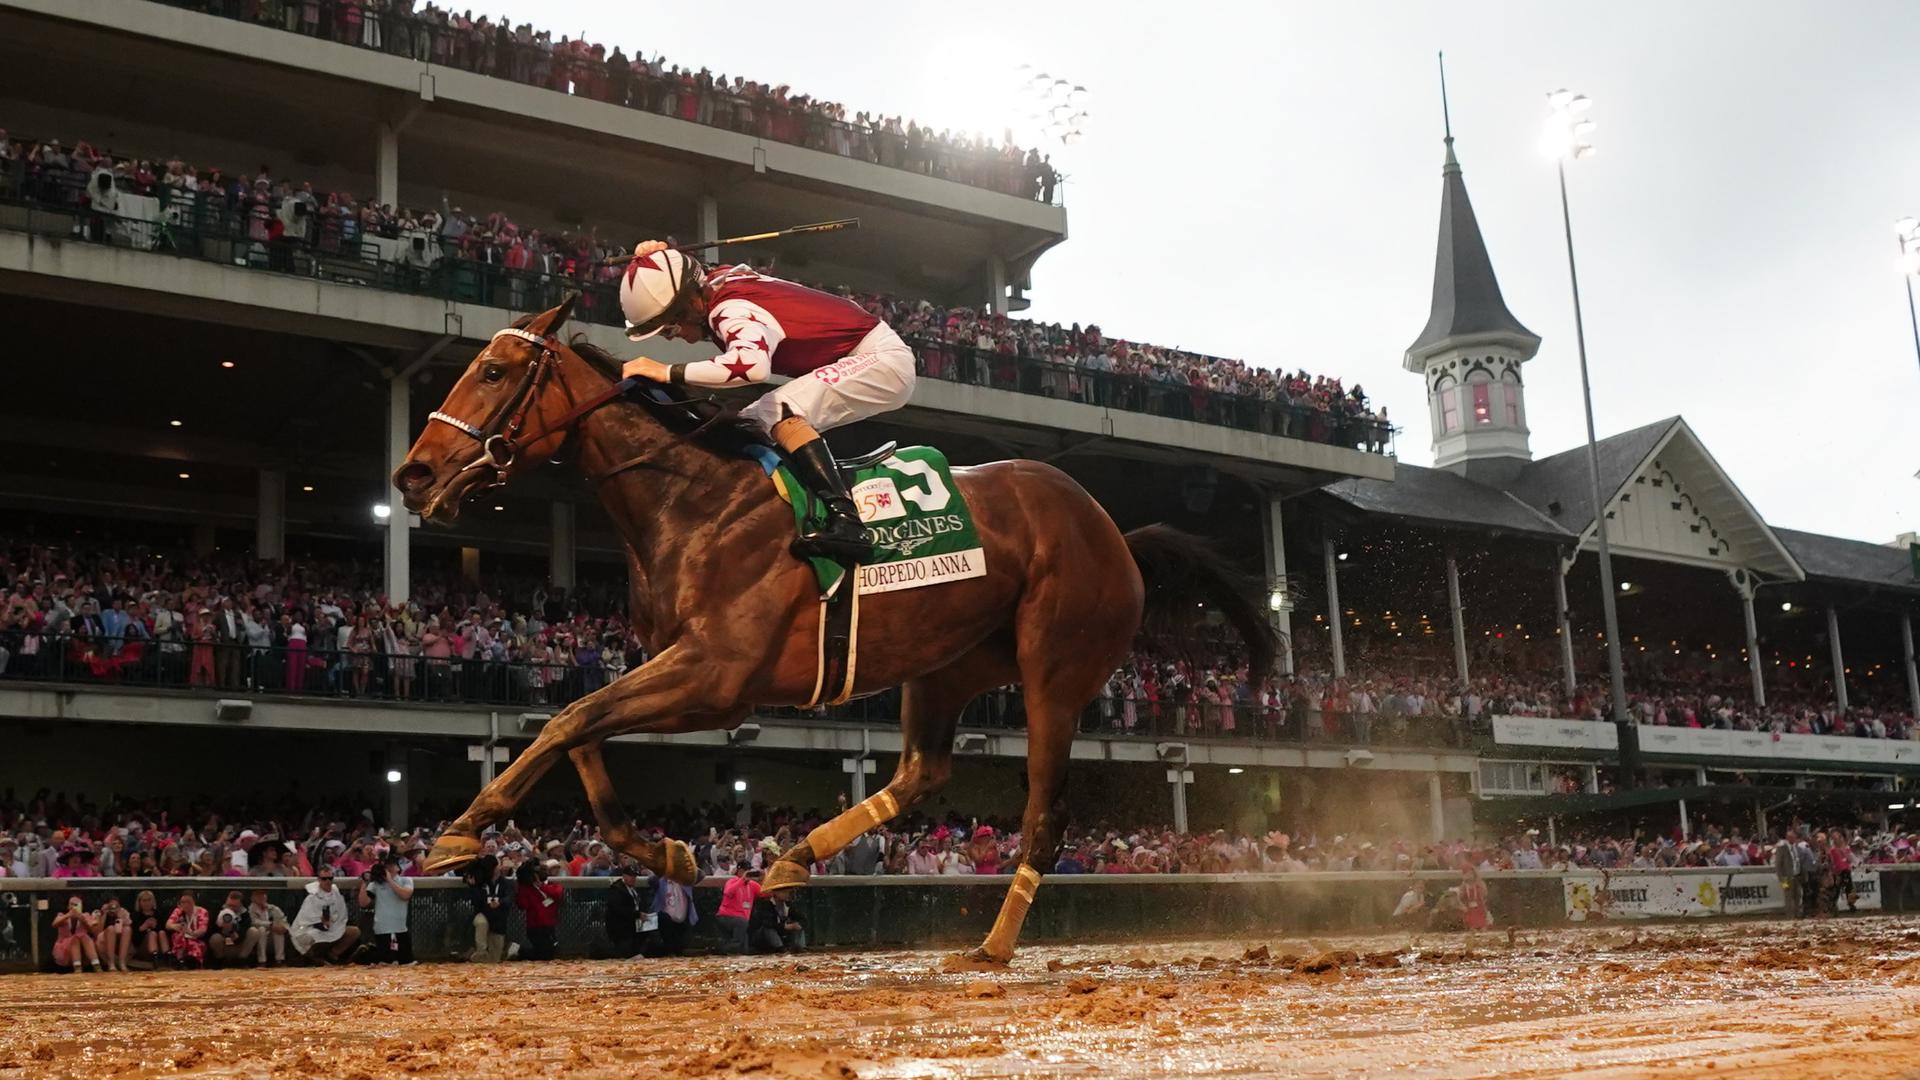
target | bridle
[{"x": 500, "y": 437}]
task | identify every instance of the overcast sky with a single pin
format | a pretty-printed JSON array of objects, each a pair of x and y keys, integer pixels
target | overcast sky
[{"x": 1263, "y": 180}]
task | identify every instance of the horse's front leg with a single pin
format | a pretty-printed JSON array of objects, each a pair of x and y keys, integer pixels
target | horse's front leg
[
  {"x": 670, "y": 858},
  {"x": 655, "y": 696}
]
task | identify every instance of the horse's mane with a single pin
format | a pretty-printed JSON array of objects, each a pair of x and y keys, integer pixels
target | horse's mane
[{"x": 703, "y": 422}]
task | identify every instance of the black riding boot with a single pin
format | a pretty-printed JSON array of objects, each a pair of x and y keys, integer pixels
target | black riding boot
[{"x": 841, "y": 537}]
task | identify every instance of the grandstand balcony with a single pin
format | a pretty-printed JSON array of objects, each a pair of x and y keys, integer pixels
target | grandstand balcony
[{"x": 414, "y": 131}]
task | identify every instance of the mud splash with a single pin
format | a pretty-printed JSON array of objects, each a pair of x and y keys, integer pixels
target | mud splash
[{"x": 1836, "y": 999}]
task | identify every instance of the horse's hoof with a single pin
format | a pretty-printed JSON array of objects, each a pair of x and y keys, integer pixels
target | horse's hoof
[
  {"x": 785, "y": 875},
  {"x": 451, "y": 852},
  {"x": 976, "y": 959},
  {"x": 678, "y": 863}
]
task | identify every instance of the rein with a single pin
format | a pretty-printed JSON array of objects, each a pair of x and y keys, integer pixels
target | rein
[{"x": 500, "y": 437}]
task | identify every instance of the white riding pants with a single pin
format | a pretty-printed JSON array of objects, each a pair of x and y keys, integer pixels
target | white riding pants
[{"x": 876, "y": 377}]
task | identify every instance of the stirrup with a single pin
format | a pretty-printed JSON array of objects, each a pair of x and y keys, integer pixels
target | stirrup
[{"x": 842, "y": 539}]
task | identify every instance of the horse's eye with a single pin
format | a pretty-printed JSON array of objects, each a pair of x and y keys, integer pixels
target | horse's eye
[{"x": 493, "y": 373}]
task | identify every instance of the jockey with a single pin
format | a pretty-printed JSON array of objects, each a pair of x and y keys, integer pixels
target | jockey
[{"x": 844, "y": 365}]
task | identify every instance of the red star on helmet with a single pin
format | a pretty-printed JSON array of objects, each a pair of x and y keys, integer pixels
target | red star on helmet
[
  {"x": 634, "y": 266},
  {"x": 738, "y": 369}
]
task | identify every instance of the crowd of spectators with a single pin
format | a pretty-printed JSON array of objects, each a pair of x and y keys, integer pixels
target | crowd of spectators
[
  {"x": 54, "y": 835},
  {"x": 168, "y": 617},
  {"x": 171, "y": 618},
  {"x": 500, "y": 49}
]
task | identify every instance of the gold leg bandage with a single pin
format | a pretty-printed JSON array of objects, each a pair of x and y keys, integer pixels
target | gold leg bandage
[
  {"x": 829, "y": 839},
  {"x": 1013, "y": 913}
]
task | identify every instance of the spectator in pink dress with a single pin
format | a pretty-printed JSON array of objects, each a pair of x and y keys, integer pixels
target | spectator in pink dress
[
  {"x": 296, "y": 653},
  {"x": 74, "y": 931},
  {"x": 188, "y": 928}
]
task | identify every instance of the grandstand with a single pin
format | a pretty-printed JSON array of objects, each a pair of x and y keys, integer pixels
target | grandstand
[{"x": 226, "y": 370}]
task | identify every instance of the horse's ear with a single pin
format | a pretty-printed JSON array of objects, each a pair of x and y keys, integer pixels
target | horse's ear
[{"x": 561, "y": 314}]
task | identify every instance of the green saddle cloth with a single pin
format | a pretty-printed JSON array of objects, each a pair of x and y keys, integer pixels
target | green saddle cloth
[{"x": 922, "y": 528}]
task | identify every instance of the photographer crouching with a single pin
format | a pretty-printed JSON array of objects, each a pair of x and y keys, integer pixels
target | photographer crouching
[{"x": 388, "y": 892}]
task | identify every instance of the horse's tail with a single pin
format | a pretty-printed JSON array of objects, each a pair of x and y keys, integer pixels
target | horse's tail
[{"x": 1180, "y": 570}]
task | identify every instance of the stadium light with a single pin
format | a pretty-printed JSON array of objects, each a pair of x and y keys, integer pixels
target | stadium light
[
  {"x": 1567, "y": 134},
  {"x": 1786, "y": 605},
  {"x": 1907, "y": 230},
  {"x": 739, "y": 787},
  {"x": 381, "y": 511},
  {"x": 393, "y": 776},
  {"x": 1235, "y": 771}
]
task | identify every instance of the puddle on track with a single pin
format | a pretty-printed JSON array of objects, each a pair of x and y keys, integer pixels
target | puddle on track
[{"x": 1833, "y": 999}]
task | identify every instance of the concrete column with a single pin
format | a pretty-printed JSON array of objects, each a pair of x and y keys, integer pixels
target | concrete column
[
  {"x": 1275, "y": 544},
  {"x": 470, "y": 564},
  {"x": 1754, "y": 669},
  {"x": 1333, "y": 608},
  {"x": 487, "y": 751},
  {"x": 399, "y": 535},
  {"x": 708, "y": 222},
  {"x": 386, "y": 163},
  {"x": 1459, "y": 617},
  {"x": 1839, "y": 657},
  {"x": 857, "y": 769},
  {"x": 1567, "y": 676},
  {"x": 1906, "y": 656},
  {"x": 1179, "y": 777},
  {"x": 270, "y": 517},
  {"x": 1686, "y": 826},
  {"x": 561, "y": 557},
  {"x": 1436, "y": 808},
  {"x": 996, "y": 285},
  {"x": 1552, "y": 840}
]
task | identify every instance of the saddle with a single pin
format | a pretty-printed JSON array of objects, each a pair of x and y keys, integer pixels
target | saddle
[
  {"x": 850, "y": 467},
  {"x": 924, "y": 535}
]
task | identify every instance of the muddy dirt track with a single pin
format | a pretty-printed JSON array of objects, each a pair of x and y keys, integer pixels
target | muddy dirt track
[{"x": 1754, "y": 999}]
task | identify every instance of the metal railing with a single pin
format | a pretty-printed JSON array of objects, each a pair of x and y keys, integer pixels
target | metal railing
[
  {"x": 1169, "y": 397},
  {"x": 210, "y": 228},
  {"x": 329, "y": 247},
  {"x": 312, "y": 671},
  {"x": 348, "y": 22}
]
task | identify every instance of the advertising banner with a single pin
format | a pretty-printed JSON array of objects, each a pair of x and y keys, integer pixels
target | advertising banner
[{"x": 1647, "y": 894}]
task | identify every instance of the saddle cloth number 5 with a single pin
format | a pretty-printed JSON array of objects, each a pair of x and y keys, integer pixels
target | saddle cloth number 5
[{"x": 935, "y": 497}]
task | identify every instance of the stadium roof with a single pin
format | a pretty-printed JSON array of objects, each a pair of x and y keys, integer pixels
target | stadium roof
[
  {"x": 1552, "y": 499},
  {"x": 1448, "y": 500},
  {"x": 1466, "y": 296},
  {"x": 1560, "y": 487},
  {"x": 1856, "y": 562}
]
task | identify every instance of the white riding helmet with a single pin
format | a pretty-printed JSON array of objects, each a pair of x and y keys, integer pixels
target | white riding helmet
[{"x": 650, "y": 288}]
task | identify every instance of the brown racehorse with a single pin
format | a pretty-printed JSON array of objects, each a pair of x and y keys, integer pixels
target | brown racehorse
[{"x": 732, "y": 619}]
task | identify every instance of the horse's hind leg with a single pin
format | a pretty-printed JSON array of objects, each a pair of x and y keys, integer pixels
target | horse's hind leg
[
  {"x": 1069, "y": 647},
  {"x": 670, "y": 858},
  {"x": 929, "y": 710}
]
